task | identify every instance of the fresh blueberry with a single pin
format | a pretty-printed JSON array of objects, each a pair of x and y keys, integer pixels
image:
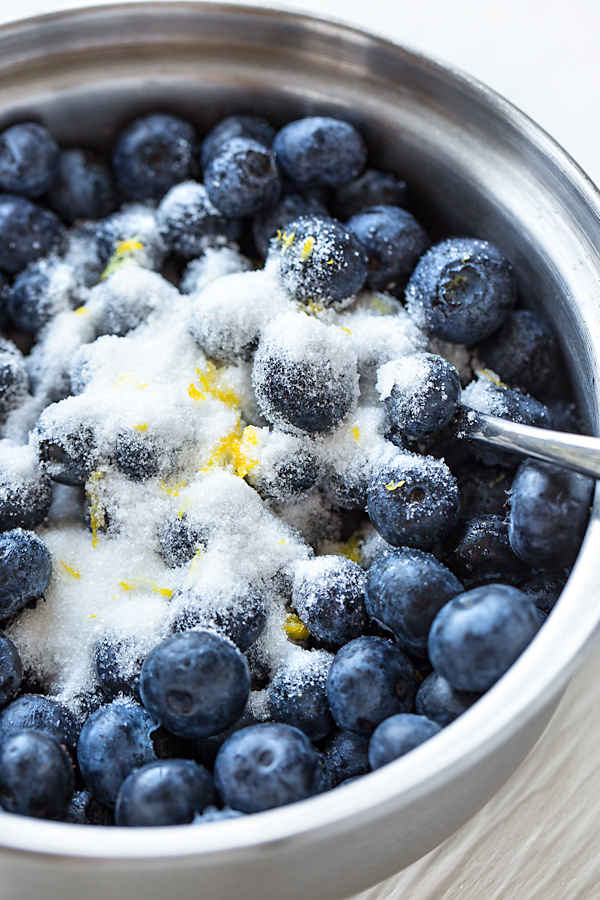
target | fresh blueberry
[
  {"x": 25, "y": 569},
  {"x": 372, "y": 188},
  {"x": 440, "y": 702},
  {"x": 195, "y": 684},
  {"x": 117, "y": 663},
  {"x": 266, "y": 766},
  {"x": 483, "y": 490},
  {"x": 153, "y": 154},
  {"x": 346, "y": 755},
  {"x": 179, "y": 541},
  {"x": 405, "y": 589},
  {"x": 167, "y": 792},
  {"x": 287, "y": 469},
  {"x": 11, "y": 670},
  {"x": 524, "y": 351},
  {"x": 237, "y": 612},
  {"x": 29, "y": 158},
  {"x": 136, "y": 455},
  {"x": 549, "y": 511},
  {"x": 84, "y": 809},
  {"x": 298, "y": 696},
  {"x": 544, "y": 589},
  {"x": 27, "y": 232},
  {"x": 187, "y": 220},
  {"x": 34, "y": 711},
  {"x": 482, "y": 554},
  {"x": 318, "y": 260},
  {"x": 420, "y": 392},
  {"x": 84, "y": 188},
  {"x": 38, "y": 293},
  {"x": 413, "y": 501},
  {"x": 236, "y": 126},
  {"x": 328, "y": 595},
  {"x": 267, "y": 223},
  {"x": 14, "y": 380},
  {"x": 36, "y": 775},
  {"x": 320, "y": 150},
  {"x": 114, "y": 741},
  {"x": 393, "y": 240},
  {"x": 242, "y": 178},
  {"x": 370, "y": 679},
  {"x": 399, "y": 735},
  {"x": 478, "y": 635},
  {"x": 461, "y": 290}
]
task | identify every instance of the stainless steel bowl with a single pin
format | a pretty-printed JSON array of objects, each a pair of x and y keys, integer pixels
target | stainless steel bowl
[{"x": 474, "y": 165}]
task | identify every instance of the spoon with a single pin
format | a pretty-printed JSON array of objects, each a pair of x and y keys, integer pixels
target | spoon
[{"x": 578, "y": 452}]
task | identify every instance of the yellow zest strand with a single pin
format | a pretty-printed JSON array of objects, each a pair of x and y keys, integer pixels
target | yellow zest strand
[
  {"x": 97, "y": 511},
  {"x": 355, "y": 432},
  {"x": 347, "y": 330},
  {"x": 125, "y": 255},
  {"x": 350, "y": 549},
  {"x": 81, "y": 311},
  {"x": 142, "y": 427},
  {"x": 145, "y": 582},
  {"x": 127, "y": 585},
  {"x": 295, "y": 628},
  {"x": 173, "y": 491},
  {"x": 209, "y": 387},
  {"x": 286, "y": 239},
  {"x": 93, "y": 616},
  {"x": 234, "y": 449},
  {"x": 72, "y": 572},
  {"x": 309, "y": 246},
  {"x": 165, "y": 592},
  {"x": 489, "y": 375},
  {"x": 127, "y": 379},
  {"x": 392, "y": 485}
]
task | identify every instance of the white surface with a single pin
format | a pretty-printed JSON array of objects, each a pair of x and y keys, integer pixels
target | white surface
[{"x": 537, "y": 840}]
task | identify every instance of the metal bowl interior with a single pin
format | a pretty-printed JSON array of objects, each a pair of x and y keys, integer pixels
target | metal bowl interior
[{"x": 474, "y": 165}]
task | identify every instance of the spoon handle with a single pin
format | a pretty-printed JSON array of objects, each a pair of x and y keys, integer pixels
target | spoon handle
[{"x": 578, "y": 452}]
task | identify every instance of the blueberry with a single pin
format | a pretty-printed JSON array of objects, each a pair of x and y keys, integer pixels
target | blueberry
[
  {"x": 136, "y": 455},
  {"x": 477, "y": 636},
  {"x": 370, "y": 679},
  {"x": 34, "y": 711},
  {"x": 153, "y": 154},
  {"x": 544, "y": 588},
  {"x": 482, "y": 554},
  {"x": 25, "y": 569},
  {"x": 114, "y": 741},
  {"x": 549, "y": 511},
  {"x": 328, "y": 595},
  {"x": 236, "y": 126},
  {"x": 304, "y": 374},
  {"x": 84, "y": 809},
  {"x": 195, "y": 684},
  {"x": 405, "y": 589},
  {"x": 399, "y": 735},
  {"x": 483, "y": 490},
  {"x": 393, "y": 241},
  {"x": 36, "y": 775},
  {"x": 37, "y": 294},
  {"x": 289, "y": 207},
  {"x": 266, "y": 766},
  {"x": 117, "y": 663},
  {"x": 27, "y": 232},
  {"x": 14, "y": 380},
  {"x": 29, "y": 158},
  {"x": 298, "y": 696},
  {"x": 168, "y": 792},
  {"x": 440, "y": 702},
  {"x": 420, "y": 392},
  {"x": 212, "y": 814},
  {"x": 318, "y": 260},
  {"x": 84, "y": 188},
  {"x": 372, "y": 188},
  {"x": 238, "y": 611},
  {"x": 413, "y": 501},
  {"x": 461, "y": 290},
  {"x": 287, "y": 467},
  {"x": 320, "y": 150},
  {"x": 242, "y": 177},
  {"x": 179, "y": 541},
  {"x": 524, "y": 351},
  {"x": 11, "y": 670},
  {"x": 187, "y": 219},
  {"x": 67, "y": 451},
  {"x": 346, "y": 755}
]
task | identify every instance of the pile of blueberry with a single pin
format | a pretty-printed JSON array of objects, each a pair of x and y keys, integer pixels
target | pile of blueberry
[{"x": 445, "y": 558}]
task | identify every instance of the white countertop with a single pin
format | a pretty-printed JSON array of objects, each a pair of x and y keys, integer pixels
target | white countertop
[{"x": 538, "y": 838}]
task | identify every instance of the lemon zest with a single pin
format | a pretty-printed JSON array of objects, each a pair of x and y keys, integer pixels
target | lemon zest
[
  {"x": 124, "y": 255},
  {"x": 97, "y": 511},
  {"x": 309, "y": 246},
  {"x": 166, "y": 592},
  {"x": 81, "y": 311},
  {"x": 72, "y": 572},
  {"x": 210, "y": 387},
  {"x": 127, "y": 585},
  {"x": 93, "y": 616},
  {"x": 355, "y": 432},
  {"x": 126, "y": 378},
  {"x": 350, "y": 549},
  {"x": 286, "y": 239},
  {"x": 142, "y": 427},
  {"x": 392, "y": 485},
  {"x": 489, "y": 375},
  {"x": 295, "y": 628},
  {"x": 173, "y": 491}
]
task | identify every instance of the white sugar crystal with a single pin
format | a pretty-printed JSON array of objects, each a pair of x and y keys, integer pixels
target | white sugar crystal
[
  {"x": 485, "y": 393},
  {"x": 214, "y": 263},
  {"x": 130, "y": 296}
]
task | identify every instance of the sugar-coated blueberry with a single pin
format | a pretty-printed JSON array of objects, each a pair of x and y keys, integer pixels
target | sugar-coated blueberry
[
  {"x": 11, "y": 670},
  {"x": 478, "y": 635},
  {"x": 461, "y": 290},
  {"x": 27, "y": 232},
  {"x": 187, "y": 220},
  {"x": 420, "y": 391},
  {"x": 370, "y": 679},
  {"x": 371, "y": 188},
  {"x": 318, "y": 260},
  {"x": 34, "y": 711},
  {"x": 114, "y": 741},
  {"x": 238, "y": 612},
  {"x": 37, "y": 294},
  {"x": 152, "y": 154},
  {"x": 394, "y": 241},
  {"x": 266, "y": 766},
  {"x": 328, "y": 595},
  {"x": 36, "y": 775},
  {"x": 246, "y": 126},
  {"x": 242, "y": 177},
  {"x": 413, "y": 501},
  {"x": 167, "y": 792},
  {"x": 179, "y": 541},
  {"x": 297, "y": 694},
  {"x": 482, "y": 554},
  {"x": 289, "y": 207},
  {"x": 137, "y": 455},
  {"x": 25, "y": 569},
  {"x": 405, "y": 589},
  {"x": 345, "y": 756},
  {"x": 67, "y": 451},
  {"x": 14, "y": 379},
  {"x": 320, "y": 150},
  {"x": 195, "y": 684},
  {"x": 84, "y": 188},
  {"x": 549, "y": 511},
  {"x": 29, "y": 159},
  {"x": 439, "y": 701},
  {"x": 117, "y": 662},
  {"x": 524, "y": 351},
  {"x": 399, "y": 735}
]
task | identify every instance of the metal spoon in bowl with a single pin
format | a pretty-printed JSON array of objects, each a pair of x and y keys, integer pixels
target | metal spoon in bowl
[{"x": 578, "y": 452}]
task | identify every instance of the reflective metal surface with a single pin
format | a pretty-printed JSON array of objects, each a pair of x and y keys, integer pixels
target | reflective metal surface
[{"x": 476, "y": 166}]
